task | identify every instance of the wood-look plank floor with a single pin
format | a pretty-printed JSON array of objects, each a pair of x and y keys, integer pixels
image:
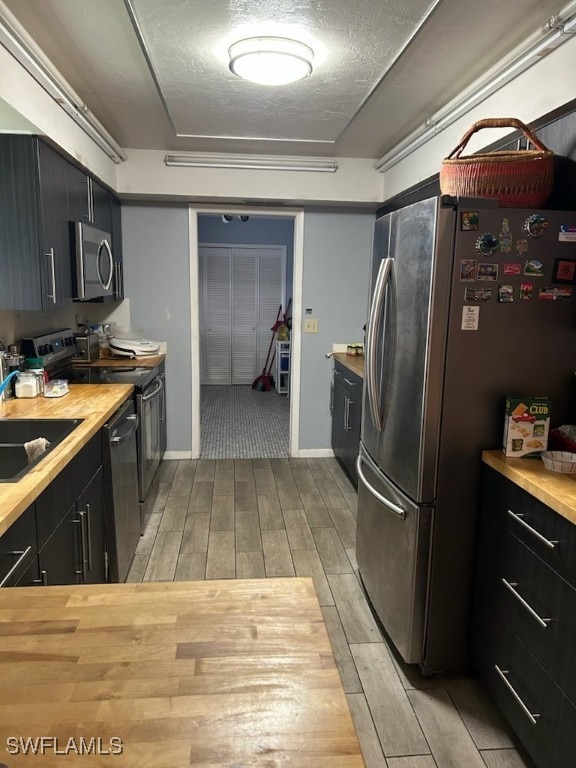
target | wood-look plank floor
[{"x": 269, "y": 518}]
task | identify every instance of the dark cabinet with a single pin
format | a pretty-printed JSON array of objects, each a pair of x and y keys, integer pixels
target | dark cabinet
[
  {"x": 60, "y": 539},
  {"x": 18, "y": 548},
  {"x": 346, "y": 398},
  {"x": 524, "y": 619},
  {"x": 34, "y": 233},
  {"x": 89, "y": 201}
]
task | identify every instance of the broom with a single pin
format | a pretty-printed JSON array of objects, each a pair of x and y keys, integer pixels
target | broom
[{"x": 262, "y": 383}]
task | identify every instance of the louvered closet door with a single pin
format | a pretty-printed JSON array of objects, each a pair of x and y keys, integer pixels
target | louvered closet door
[
  {"x": 244, "y": 314},
  {"x": 270, "y": 292},
  {"x": 217, "y": 315}
]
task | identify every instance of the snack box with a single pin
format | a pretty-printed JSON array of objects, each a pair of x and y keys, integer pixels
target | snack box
[{"x": 526, "y": 426}]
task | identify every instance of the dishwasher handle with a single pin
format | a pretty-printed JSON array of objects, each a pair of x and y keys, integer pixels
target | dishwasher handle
[{"x": 122, "y": 438}]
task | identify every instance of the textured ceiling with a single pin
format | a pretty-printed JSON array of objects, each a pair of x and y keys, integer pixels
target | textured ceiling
[{"x": 155, "y": 72}]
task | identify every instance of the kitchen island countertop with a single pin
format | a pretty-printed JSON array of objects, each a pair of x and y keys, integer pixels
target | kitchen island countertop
[
  {"x": 556, "y": 490},
  {"x": 94, "y": 403},
  {"x": 205, "y": 673}
]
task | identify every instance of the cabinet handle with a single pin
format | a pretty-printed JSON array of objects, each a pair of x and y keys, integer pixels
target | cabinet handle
[
  {"x": 532, "y": 716},
  {"x": 510, "y": 586},
  {"x": 331, "y": 397},
  {"x": 350, "y": 383},
  {"x": 84, "y": 556},
  {"x": 346, "y": 414},
  {"x": 22, "y": 556},
  {"x": 337, "y": 372},
  {"x": 90, "y": 199},
  {"x": 42, "y": 580},
  {"x": 518, "y": 517},
  {"x": 89, "y": 536},
  {"x": 50, "y": 255}
]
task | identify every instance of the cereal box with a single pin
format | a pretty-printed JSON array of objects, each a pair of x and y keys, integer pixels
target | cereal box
[{"x": 526, "y": 425}]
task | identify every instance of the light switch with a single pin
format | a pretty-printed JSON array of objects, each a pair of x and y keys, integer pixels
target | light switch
[{"x": 310, "y": 325}]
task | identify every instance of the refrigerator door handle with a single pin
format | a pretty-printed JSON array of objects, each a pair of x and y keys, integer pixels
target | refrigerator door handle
[
  {"x": 398, "y": 510},
  {"x": 376, "y": 310}
]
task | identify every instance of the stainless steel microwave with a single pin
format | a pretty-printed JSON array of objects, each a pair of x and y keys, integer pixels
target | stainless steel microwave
[{"x": 95, "y": 268}]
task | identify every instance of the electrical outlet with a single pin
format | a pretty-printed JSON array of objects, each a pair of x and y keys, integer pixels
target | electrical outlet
[{"x": 310, "y": 325}]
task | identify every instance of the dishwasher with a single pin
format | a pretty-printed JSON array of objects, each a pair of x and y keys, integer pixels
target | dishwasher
[{"x": 122, "y": 518}]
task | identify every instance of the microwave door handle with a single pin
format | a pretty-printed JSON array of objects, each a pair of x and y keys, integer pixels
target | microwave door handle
[
  {"x": 80, "y": 261},
  {"x": 104, "y": 244},
  {"x": 376, "y": 311}
]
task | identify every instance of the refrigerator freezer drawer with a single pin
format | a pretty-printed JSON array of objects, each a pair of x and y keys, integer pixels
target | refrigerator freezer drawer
[{"x": 392, "y": 546}]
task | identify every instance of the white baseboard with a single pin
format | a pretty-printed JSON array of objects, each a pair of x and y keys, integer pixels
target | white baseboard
[
  {"x": 172, "y": 455},
  {"x": 315, "y": 453}
]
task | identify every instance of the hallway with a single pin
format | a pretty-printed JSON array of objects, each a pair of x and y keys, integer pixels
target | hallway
[{"x": 266, "y": 518}]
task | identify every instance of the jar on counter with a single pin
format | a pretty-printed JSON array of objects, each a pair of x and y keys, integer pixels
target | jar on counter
[
  {"x": 26, "y": 384},
  {"x": 34, "y": 366}
]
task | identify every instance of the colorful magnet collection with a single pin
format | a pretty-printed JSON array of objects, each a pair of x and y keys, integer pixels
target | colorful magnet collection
[{"x": 517, "y": 262}]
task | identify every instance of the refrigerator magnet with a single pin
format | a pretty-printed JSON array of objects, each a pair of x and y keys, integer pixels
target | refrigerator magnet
[
  {"x": 526, "y": 292},
  {"x": 505, "y": 237},
  {"x": 477, "y": 294},
  {"x": 535, "y": 225},
  {"x": 552, "y": 294},
  {"x": 505, "y": 294},
  {"x": 468, "y": 270},
  {"x": 521, "y": 245},
  {"x": 487, "y": 244},
  {"x": 513, "y": 268},
  {"x": 470, "y": 318},
  {"x": 469, "y": 221},
  {"x": 487, "y": 271},
  {"x": 567, "y": 233},
  {"x": 564, "y": 271},
  {"x": 534, "y": 268}
]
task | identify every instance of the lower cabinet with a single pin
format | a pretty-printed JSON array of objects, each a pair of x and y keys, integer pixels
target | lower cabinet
[
  {"x": 525, "y": 619},
  {"x": 346, "y": 406},
  {"x": 60, "y": 539}
]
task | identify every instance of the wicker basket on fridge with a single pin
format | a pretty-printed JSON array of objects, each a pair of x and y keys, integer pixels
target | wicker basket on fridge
[{"x": 518, "y": 178}]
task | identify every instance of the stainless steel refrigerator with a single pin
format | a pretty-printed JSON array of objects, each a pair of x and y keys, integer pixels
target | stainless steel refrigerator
[{"x": 469, "y": 302}]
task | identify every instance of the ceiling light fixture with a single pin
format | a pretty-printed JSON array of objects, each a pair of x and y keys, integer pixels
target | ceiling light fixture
[
  {"x": 17, "y": 41},
  {"x": 558, "y": 30},
  {"x": 251, "y": 162},
  {"x": 271, "y": 60}
]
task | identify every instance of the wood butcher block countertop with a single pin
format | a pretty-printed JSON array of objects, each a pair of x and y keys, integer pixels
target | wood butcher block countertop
[
  {"x": 94, "y": 403},
  {"x": 353, "y": 362},
  {"x": 556, "y": 490},
  {"x": 122, "y": 362},
  {"x": 213, "y": 674}
]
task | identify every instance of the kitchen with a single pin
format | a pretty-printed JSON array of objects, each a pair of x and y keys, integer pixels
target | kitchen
[{"x": 328, "y": 236}]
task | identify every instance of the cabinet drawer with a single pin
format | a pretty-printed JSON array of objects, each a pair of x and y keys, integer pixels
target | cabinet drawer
[
  {"x": 528, "y": 690},
  {"x": 18, "y": 548},
  {"x": 540, "y": 607},
  {"x": 548, "y": 534},
  {"x": 348, "y": 378}
]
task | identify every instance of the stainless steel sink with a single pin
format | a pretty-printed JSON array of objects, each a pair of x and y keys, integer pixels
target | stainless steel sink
[{"x": 14, "y": 433}]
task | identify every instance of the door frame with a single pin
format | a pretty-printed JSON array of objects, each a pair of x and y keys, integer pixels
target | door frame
[{"x": 297, "y": 215}]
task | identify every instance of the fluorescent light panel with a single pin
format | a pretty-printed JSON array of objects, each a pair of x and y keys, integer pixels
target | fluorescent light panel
[
  {"x": 58, "y": 89},
  {"x": 558, "y": 33},
  {"x": 251, "y": 162}
]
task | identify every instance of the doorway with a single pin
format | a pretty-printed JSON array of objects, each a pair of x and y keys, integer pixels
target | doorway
[{"x": 240, "y": 408}]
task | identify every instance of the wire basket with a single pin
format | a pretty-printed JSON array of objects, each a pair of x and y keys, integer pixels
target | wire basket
[{"x": 517, "y": 178}]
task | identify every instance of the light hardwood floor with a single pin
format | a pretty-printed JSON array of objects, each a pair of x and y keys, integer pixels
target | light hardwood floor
[{"x": 265, "y": 518}]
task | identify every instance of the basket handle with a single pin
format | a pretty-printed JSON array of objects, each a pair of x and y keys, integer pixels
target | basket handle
[{"x": 498, "y": 122}]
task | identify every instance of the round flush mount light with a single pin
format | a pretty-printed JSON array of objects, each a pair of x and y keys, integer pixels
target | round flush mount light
[{"x": 271, "y": 60}]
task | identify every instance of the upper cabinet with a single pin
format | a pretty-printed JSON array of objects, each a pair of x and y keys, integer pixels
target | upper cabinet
[
  {"x": 41, "y": 195},
  {"x": 34, "y": 233}
]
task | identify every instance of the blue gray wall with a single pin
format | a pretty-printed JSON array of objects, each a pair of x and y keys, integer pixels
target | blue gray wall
[
  {"x": 337, "y": 248},
  {"x": 337, "y": 251},
  {"x": 157, "y": 282}
]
